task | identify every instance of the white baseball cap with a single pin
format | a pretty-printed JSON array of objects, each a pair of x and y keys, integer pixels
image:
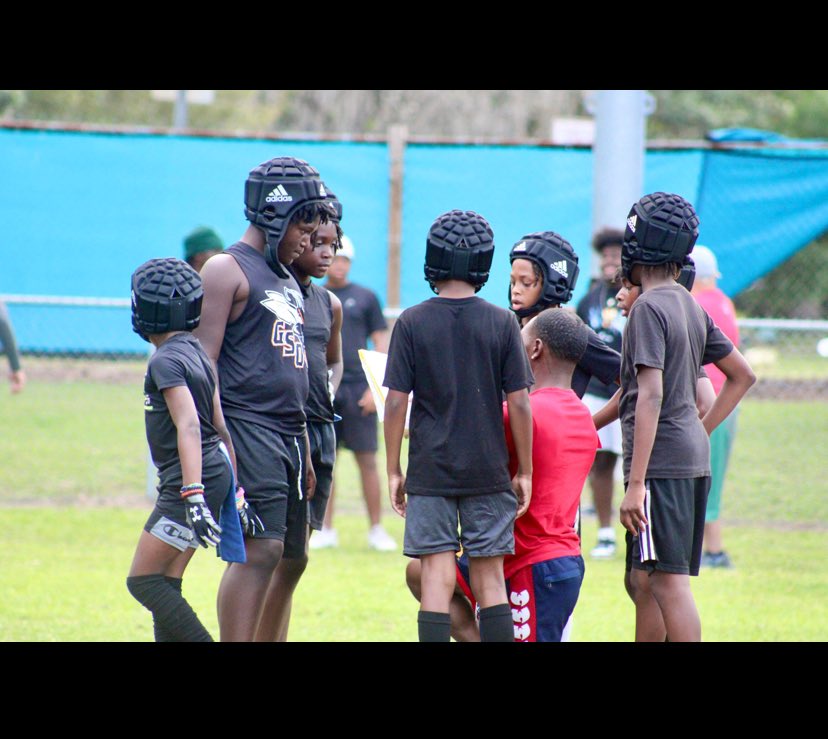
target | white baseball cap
[
  {"x": 705, "y": 261},
  {"x": 347, "y": 248}
]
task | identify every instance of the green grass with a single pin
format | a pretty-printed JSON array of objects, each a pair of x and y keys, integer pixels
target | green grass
[
  {"x": 64, "y": 566},
  {"x": 65, "y": 440}
]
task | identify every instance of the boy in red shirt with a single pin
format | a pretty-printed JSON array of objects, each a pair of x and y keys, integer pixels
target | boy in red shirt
[{"x": 545, "y": 573}]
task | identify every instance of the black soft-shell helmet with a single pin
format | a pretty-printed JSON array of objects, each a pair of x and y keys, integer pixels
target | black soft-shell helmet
[
  {"x": 274, "y": 191},
  {"x": 661, "y": 228},
  {"x": 166, "y": 296},
  {"x": 558, "y": 263},
  {"x": 460, "y": 246}
]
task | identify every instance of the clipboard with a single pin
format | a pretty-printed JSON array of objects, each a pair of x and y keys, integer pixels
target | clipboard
[{"x": 373, "y": 365}]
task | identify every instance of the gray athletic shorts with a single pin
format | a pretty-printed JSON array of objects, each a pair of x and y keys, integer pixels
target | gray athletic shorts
[
  {"x": 323, "y": 455},
  {"x": 486, "y": 522},
  {"x": 168, "y": 520},
  {"x": 271, "y": 469}
]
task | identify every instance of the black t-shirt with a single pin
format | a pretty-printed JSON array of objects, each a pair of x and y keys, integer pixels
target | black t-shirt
[
  {"x": 668, "y": 330},
  {"x": 599, "y": 361},
  {"x": 179, "y": 361},
  {"x": 458, "y": 356},
  {"x": 361, "y": 316},
  {"x": 318, "y": 320},
  {"x": 263, "y": 368},
  {"x": 600, "y": 311}
]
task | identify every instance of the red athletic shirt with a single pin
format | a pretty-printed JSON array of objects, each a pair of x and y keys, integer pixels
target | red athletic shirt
[
  {"x": 564, "y": 442},
  {"x": 720, "y": 308}
]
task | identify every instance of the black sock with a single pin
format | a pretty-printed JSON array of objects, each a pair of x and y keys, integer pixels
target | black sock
[
  {"x": 434, "y": 626},
  {"x": 496, "y": 623},
  {"x": 175, "y": 617},
  {"x": 161, "y": 632}
]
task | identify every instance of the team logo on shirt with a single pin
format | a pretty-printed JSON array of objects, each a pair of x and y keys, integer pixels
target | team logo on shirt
[{"x": 289, "y": 327}]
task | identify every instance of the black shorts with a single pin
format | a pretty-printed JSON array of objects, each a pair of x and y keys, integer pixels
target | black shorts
[
  {"x": 323, "y": 455},
  {"x": 355, "y": 431},
  {"x": 672, "y": 540},
  {"x": 271, "y": 468},
  {"x": 487, "y": 524},
  {"x": 168, "y": 521}
]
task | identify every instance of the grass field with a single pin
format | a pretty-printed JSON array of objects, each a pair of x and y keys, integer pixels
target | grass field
[{"x": 72, "y": 502}]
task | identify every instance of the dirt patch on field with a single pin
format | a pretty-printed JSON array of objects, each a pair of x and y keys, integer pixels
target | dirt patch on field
[
  {"x": 767, "y": 389},
  {"x": 116, "y": 372}
]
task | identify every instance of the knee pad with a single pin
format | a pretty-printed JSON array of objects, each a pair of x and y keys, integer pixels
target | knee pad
[{"x": 146, "y": 589}]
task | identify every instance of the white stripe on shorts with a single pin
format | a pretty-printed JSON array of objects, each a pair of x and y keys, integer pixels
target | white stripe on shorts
[
  {"x": 646, "y": 545},
  {"x": 299, "y": 476}
]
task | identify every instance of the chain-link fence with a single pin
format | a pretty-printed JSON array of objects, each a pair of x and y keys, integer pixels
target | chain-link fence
[{"x": 789, "y": 355}]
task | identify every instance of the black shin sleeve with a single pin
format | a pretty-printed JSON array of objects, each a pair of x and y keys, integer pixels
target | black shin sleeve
[
  {"x": 171, "y": 613},
  {"x": 161, "y": 633},
  {"x": 496, "y": 623},
  {"x": 433, "y": 626}
]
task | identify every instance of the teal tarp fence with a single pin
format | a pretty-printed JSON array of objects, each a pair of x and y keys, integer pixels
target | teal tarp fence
[{"x": 79, "y": 211}]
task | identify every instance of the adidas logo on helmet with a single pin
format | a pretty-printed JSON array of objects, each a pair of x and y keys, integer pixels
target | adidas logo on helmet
[
  {"x": 279, "y": 195},
  {"x": 560, "y": 268}
]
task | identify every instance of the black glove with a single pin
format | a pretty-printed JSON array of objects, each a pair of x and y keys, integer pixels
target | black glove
[
  {"x": 249, "y": 520},
  {"x": 206, "y": 531}
]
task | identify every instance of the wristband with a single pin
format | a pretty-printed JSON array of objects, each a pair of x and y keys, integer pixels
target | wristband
[{"x": 192, "y": 489}]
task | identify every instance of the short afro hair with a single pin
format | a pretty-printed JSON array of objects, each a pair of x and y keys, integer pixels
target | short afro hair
[
  {"x": 607, "y": 237},
  {"x": 563, "y": 333}
]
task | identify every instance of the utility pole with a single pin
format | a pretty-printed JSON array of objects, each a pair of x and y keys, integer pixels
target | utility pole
[{"x": 618, "y": 155}]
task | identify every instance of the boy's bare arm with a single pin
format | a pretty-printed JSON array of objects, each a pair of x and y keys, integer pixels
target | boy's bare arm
[
  {"x": 520, "y": 424},
  {"x": 705, "y": 395},
  {"x": 182, "y": 409},
  {"x": 222, "y": 279},
  {"x": 738, "y": 379},
  {"x": 396, "y": 405},
  {"x": 647, "y": 410},
  {"x": 333, "y": 355},
  {"x": 221, "y": 427},
  {"x": 609, "y": 412}
]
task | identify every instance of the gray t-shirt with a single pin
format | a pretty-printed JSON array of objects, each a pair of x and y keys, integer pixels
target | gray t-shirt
[{"x": 668, "y": 330}]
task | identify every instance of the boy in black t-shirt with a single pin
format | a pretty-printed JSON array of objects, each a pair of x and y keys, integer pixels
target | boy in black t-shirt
[
  {"x": 666, "y": 447},
  {"x": 189, "y": 444},
  {"x": 544, "y": 274},
  {"x": 323, "y": 347},
  {"x": 458, "y": 354}
]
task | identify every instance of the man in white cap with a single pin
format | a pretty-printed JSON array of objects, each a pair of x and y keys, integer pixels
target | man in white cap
[
  {"x": 362, "y": 319},
  {"x": 720, "y": 308}
]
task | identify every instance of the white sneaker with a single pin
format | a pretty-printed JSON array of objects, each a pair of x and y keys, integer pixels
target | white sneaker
[
  {"x": 324, "y": 539},
  {"x": 379, "y": 539},
  {"x": 604, "y": 550}
]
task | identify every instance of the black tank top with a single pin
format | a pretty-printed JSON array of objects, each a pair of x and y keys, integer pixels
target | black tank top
[
  {"x": 318, "y": 319},
  {"x": 263, "y": 369}
]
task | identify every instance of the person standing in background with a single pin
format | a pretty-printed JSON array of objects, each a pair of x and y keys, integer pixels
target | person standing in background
[
  {"x": 201, "y": 244},
  {"x": 17, "y": 377},
  {"x": 600, "y": 311},
  {"x": 720, "y": 308},
  {"x": 361, "y": 319}
]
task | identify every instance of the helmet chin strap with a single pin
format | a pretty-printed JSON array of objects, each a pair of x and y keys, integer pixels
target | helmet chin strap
[{"x": 271, "y": 255}]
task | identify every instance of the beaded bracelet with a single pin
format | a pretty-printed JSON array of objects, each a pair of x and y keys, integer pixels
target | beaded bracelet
[
  {"x": 192, "y": 489},
  {"x": 239, "y": 497}
]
